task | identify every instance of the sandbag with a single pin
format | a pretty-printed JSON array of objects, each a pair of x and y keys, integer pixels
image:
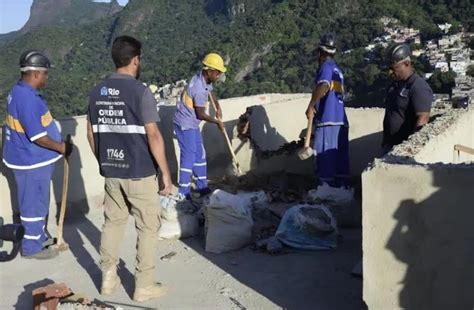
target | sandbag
[
  {"x": 255, "y": 199},
  {"x": 179, "y": 219},
  {"x": 228, "y": 222},
  {"x": 341, "y": 202},
  {"x": 308, "y": 227}
]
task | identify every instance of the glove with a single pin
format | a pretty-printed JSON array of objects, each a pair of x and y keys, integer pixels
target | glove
[{"x": 68, "y": 146}]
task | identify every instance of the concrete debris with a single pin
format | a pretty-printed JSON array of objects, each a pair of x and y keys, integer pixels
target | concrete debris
[
  {"x": 332, "y": 195},
  {"x": 260, "y": 245},
  {"x": 441, "y": 121},
  {"x": 279, "y": 187},
  {"x": 308, "y": 227},
  {"x": 168, "y": 256},
  {"x": 225, "y": 291},
  {"x": 48, "y": 297},
  {"x": 60, "y": 296},
  {"x": 92, "y": 306},
  {"x": 244, "y": 131},
  {"x": 237, "y": 303},
  {"x": 274, "y": 246}
]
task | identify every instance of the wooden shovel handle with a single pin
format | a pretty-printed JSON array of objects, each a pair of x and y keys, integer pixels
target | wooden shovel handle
[
  {"x": 309, "y": 129},
  {"x": 62, "y": 212},
  {"x": 229, "y": 145}
]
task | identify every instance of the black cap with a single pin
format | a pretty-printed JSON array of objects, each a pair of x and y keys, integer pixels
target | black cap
[
  {"x": 398, "y": 52},
  {"x": 328, "y": 43},
  {"x": 34, "y": 60}
]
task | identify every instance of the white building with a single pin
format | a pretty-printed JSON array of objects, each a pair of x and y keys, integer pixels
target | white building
[{"x": 442, "y": 66}]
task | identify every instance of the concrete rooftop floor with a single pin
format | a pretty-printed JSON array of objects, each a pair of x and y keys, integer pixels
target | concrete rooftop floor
[{"x": 196, "y": 279}]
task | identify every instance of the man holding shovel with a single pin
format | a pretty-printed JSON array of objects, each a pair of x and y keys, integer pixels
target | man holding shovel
[
  {"x": 331, "y": 143},
  {"x": 191, "y": 110},
  {"x": 32, "y": 146}
]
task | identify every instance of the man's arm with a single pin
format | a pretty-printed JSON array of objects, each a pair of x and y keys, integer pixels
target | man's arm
[
  {"x": 422, "y": 118},
  {"x": 157, "y": 148},
  {"x": 201, "y": 115},
  {"x": 319, "y": 91},
  {"x": 218, "y": 107},
  {"x": 90, "y": 136},
  {"x": 49, "y": 143},
  {"x": 422, "y": 98}
]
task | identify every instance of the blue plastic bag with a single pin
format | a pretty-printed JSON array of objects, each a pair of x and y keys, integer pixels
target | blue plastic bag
[{"x": 308, "y": 227}]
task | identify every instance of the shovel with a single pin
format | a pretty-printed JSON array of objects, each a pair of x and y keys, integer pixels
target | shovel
[
  {"x": 229, "y": 145},
  {"x": 61, "y": 244},
  {"x": 306, "y": 152}
]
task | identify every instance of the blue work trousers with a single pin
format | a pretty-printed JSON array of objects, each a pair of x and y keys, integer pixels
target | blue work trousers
[
  {"x": 33, "y": 186},
  {"x": 331, "y": 144},
  {"x": 192, "y": 159}
]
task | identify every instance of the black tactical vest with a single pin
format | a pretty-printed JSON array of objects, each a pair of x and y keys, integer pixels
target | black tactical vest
[{"x": 119, "y": 134}]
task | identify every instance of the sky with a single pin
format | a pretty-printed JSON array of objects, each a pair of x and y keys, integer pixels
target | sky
[{"x": 15, "y": 13}]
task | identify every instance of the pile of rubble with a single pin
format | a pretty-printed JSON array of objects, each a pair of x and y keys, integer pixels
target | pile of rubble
[
  {"x": 244, "y": 134},
  {"x": 60, "y": 296},
  {"x": 271, "y": 212},
  {"x": 406, "y": 151}
]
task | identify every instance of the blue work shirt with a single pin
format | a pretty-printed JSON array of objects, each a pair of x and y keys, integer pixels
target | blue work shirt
[
  {"x": 330, "y": 109},
  {"x": 195, "y": 95},
  {"x": 28, "y": 119}
]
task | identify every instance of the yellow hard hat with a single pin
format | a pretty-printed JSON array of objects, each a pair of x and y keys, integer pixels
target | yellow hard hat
[{"x": 214, "y": 61}]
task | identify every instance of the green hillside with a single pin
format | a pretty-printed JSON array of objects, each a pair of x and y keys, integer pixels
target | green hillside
[{"x": 274, "y": 39}]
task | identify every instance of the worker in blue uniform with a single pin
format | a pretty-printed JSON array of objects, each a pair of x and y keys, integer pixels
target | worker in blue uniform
[
  {"x": 32, "y": 145},
  {"x": 191, "y": 110},
  {"x": 331, "y": 143}
]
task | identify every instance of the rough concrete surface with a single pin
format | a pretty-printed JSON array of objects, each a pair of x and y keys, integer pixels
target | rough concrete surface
[
  {"x": 417, "y": 220},
  {"x": 196, "y": 279}
]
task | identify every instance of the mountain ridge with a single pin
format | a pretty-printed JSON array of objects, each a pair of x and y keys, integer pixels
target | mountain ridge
[{"x": 176, "y": 35}]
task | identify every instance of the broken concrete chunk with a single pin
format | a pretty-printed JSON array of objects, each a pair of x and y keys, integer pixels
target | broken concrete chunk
[
  {"x": 48, "y": 297},
  {"x": 274, "y": 246},
  {"x": 332, "y": 195}
]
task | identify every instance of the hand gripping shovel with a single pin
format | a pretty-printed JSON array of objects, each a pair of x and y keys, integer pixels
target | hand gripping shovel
[
  {"x": 62, "y": 245},
  {"x": 306, "y": 152},
  {"x": 229, "y": 145}
]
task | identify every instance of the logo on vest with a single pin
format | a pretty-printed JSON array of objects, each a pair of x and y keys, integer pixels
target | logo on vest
[
  {"x": 104, "y": 91},
  {"x": 115, "y": 154}
]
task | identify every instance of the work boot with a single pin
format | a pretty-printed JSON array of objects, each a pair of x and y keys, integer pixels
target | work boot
[
  {"x": 145, "y": 293},
  {"x": 49, "y": 242},
  {"x": 110, "y": 281},
  {"x": 204, "y": 192},
  {"x": 46, "y": 253}
]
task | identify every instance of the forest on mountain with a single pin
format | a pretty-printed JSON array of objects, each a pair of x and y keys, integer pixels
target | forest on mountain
[{"x": 269, "y": 45}]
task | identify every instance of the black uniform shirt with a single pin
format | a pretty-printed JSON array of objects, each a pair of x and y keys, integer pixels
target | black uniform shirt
[{"x": 404, "y": 100}]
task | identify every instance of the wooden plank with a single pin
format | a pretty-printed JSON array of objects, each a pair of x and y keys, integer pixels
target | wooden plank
[{"x": 465, "y": 149}]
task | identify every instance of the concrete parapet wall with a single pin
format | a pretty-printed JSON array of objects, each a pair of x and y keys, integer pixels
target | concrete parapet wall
[
  {"x": 276, "y": 119},
  {"x": 440, "y": 148},
  {"x": 417, "y": 222}
]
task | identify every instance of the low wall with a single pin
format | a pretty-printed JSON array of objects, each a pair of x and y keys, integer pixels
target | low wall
[
  {"x": 417, "y": 222},
  {"x": 440, "y": 148},
  {"x": 276, "y": 119}
]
